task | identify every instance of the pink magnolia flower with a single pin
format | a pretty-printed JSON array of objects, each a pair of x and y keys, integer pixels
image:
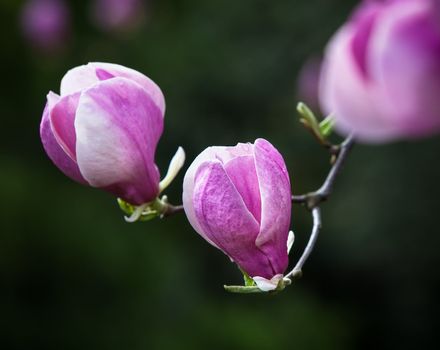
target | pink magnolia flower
[
  {"x": 119, "y": 15},
  {"x": 103, "y": 129},
  {"x": 45, "y": 23},
  {"x": 381, "y": 73},
  {"x": 239, "y": 199}
]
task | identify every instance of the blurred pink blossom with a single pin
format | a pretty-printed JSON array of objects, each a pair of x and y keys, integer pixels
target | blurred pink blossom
[
  {"x": 118, "y": 15},
  {"x": 46, "y": 23},
  {"x": 381, "y": 72}
]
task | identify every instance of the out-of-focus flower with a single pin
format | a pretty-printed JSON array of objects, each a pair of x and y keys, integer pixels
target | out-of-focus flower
[
  {"x": 46, "y": 23},
  {"x": 308, "y": 83},
  {"x": 118, "y": 15},
  {"x": 103, "y": 129},
  {"x": 381, "y": 73},
  {"x": 239, "y": 200}
]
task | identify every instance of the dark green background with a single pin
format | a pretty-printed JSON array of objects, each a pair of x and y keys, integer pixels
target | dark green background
[{"x": 74, "y": 275}]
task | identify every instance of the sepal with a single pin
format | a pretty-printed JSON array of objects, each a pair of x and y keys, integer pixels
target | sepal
[
  {"x": 144, "y": 212},
  {"x": 259, "y": 284},
  {"x": 176, "y": 164}
]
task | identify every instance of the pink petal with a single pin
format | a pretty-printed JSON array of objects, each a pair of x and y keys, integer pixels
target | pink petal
[
  {"x": 275, "y": 204},
  {"x": 62, "y": 117},
  {"x": 397, "y": 53},
  {"x": 188, "y": 190},
  {"x": 53, "y": 149},
  {"x": 224, "y": 218},
  {"x": 363, "y": 26},
  {"x": 405, "y": 61},
  {"x": 223, "y": 154},
  {"x": 78, "y": 79},
  {"x": 241, "y": 171},
  {"x": 345, "y": 93},
  {"x": 118, "y": 126},
  {"x": 85, "y": 76}
]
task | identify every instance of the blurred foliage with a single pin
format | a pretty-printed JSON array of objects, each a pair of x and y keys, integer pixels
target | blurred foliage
[{"x": 74, "y": 275}]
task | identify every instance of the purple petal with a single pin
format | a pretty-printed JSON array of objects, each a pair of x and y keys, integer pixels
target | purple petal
[
  {"x": 275, "y": 204},
  {"x": 118, "y": 126},
  {"x": 241, "y": 171},
  {"x": 354, "y": 105},
  {"x": 53, "y": 149},
  {"x": 406, "y": 55},
  {"x": 85, "y": 76},
  {"x": 224, "y": 218},
  {"x": 62, "y": 117},
  {"x": 221, "y": 153},
  {"x": 398, "y": 52},
  {"x": 362, "y": 28},
  {"x": 188, "y": 190}
]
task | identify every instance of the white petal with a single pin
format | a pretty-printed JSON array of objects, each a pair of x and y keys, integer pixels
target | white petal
[
  {"x": 290, "y": 240},
  {"x": 175, "y": 165},
  {"x": 266, "y": 285}
]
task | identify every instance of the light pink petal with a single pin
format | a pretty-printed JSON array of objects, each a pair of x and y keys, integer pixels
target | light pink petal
[
  {"x": 275, "y": 204},
  {"x": 220, "y": 153},
  {"x": 224, "y": 218},
  {"x": 53, "y": 149},
  {"x": 77, "y": 79},
  {"x": 225, "y": 154},
  {"x": 62, "y": 117},
  {"x": 188, "y": 190},
  {"x": 85, "y": 76},
  {"x": 348, "y": 95},
  {"x": 398, "y": 52},
  {"x": 118, "y": 127},
  {"x": 405, "y": 61}
]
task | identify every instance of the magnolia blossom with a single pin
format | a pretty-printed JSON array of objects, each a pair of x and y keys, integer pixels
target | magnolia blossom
[
  {"x": 119, "y": 15},
  {"x": 381, "y": 72},
  {"x": 103, "y": 128},
  {"x": 45, "y": 23},
  {"x": 239, "y": 199}
]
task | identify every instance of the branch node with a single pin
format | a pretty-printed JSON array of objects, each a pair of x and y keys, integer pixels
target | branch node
[{"x": 312, "y": 200}]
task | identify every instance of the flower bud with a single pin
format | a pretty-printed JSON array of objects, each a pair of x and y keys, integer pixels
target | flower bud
[
  {"x": 381, "y": 72},
  {"x": 239, "y": 199},
  {"x": 103, "y": 129}
]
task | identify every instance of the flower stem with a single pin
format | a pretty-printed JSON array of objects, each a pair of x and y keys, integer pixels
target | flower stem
[{"x": 314, "y": 199}]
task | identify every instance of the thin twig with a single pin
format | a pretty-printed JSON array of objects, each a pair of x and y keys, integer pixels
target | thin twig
[
  {"x": 172, "y": 209},
  {"x": 313, "y": 200},
  {"x": 317, "y": 223}
]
